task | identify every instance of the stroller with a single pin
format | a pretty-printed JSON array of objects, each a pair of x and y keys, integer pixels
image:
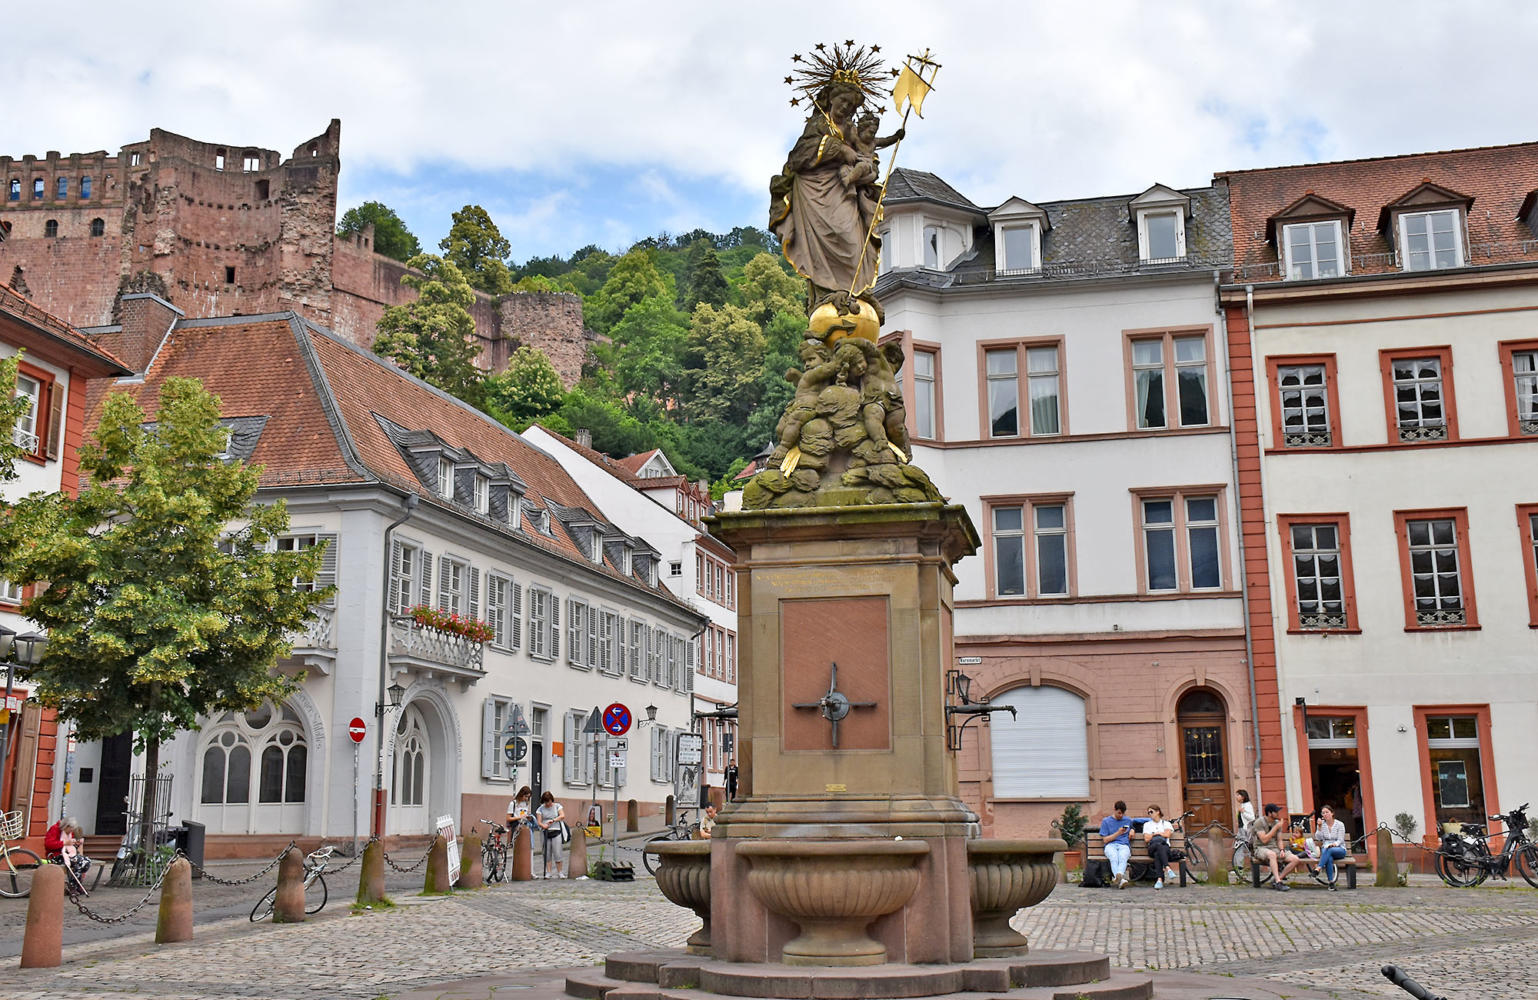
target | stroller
[{"x": 76, "y": 866}]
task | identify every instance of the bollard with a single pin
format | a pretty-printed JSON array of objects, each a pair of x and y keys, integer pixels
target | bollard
[
  {"x": 42, "y": 943},
  {"x": 669, "y": 811},
  {"x": 472, "y": 873},
  {"x": 371, "y": 875},
  {"x": 288, "y": 907},
  {"x": 1217, "y": 858},
  {"x": 522, "y": 863},
  {"x": 632, "y": 816},
  {"x": 436, "y": 881},
  {"x": 576, "y": 853},
  {"x": 175, "y": 920},
  {"x": 1387, "y": 872}
]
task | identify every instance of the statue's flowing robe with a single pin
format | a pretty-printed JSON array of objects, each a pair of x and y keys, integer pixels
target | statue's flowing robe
[{"x": 820, "y": 223}]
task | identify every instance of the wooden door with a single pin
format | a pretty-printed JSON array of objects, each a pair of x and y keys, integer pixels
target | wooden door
[
  {"x": 1204, "y": 759},
  {"x": 117, "y": 754}
]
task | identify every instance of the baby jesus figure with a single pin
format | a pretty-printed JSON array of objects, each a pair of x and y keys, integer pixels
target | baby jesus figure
[{"x": 864, "y": 173}]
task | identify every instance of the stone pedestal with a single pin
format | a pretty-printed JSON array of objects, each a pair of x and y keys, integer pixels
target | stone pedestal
[{"x": 870, "y": 589}]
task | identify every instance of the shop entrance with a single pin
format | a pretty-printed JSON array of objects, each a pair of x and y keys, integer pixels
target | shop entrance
[
  {"x": 1335, "y": 776},
  {"x": 1202, "y": 720}
]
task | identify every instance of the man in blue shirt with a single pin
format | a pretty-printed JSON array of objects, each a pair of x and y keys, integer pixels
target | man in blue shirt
[{"x": 1116, "y": 829}]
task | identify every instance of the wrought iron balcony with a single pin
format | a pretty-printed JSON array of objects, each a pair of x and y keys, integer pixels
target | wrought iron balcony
[
  {"x": 315, "y": 644},
  {"x": 430, "y": 649}
]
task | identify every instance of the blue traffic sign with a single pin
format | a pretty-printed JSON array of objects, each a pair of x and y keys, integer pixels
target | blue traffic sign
[{"x": 616, "y": 719}]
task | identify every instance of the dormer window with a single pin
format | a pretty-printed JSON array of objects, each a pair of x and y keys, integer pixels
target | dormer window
[
  {"x": 596, "y": 547},
  {"x": 445, "y": 478},
  {"x": 886, "y": 250},
  {"x": 1431, "y": 240},
  {"x": 1312, "y": 250},
  {"x": 1022, "y": 248},
  {"x": 482, "y": 495},
  {"x": 932, "y": 247},
  {"x": 1160, "y": 215}
]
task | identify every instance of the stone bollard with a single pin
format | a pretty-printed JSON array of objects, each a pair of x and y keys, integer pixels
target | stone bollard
[
  {"x": 371, "y": 875},
  {"x": 1217, "y": 858},
  {"x": 669, "y": 811},
  {"x": 576, "y": 854},
  {"x": 436, "y": 881},
  {"x": 522, "y": 867},
  {"x": 42, "y": 943},
  {"x": 288, "y": 908},
  {"x": 1387, "y": 872},
  {"x": 472, "y": 874},
  {"x": 175, "y": 920},
  {"x": 632, "y": 816}
]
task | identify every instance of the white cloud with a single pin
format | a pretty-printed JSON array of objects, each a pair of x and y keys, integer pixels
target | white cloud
[{"x": 1042, "y": 100}]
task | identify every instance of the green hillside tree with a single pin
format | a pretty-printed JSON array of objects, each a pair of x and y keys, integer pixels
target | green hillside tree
[
  {"x": 704, "y": 281},
  {"x": 767, "y": 289},
  {"x": 730, "y": 350},
  {"x": 633, "y": 277},
  {"x": 433, "y": 338},
  {"x": 477, "y": 248},
  {"x": 647, "y": 347},
  {"x": 527, "y": 390},
  {"x": 391, "y": 237},
  {"x": 157, "y": 613}
]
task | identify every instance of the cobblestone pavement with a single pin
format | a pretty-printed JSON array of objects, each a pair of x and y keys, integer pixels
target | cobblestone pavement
[{"x": 1465, "y": 944}]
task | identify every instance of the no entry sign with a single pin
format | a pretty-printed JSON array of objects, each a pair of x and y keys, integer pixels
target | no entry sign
[
  {"x": 616, "y": 719},
  {"x": 357, "y": 729}
]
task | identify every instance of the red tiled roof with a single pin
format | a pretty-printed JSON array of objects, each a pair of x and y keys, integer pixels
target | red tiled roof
[
  {"x": 1496, "y": 177},
  {"x": 634, "y": 463},
  {"x": 18, "y": 306}
]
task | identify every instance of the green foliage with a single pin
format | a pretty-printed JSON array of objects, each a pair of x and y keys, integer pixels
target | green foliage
[
  {"x": 12, "y": 409},
  {"x": 703, "y": 280},
  {"x": 528, "y": 390},
  {"x": 433, "y": 338},
  {"x": 646, "y": 349},
  {"x": 729, "y": 348},
  {"x": 615, "y": 432},
  {"x": 633, "y": 277},
  {"x": 768, "y": 289},
  {"x": 1406, "y": 825},
  {"x": 391, "y": 237},
  {"x": 155, "y": 614},
  {"x": 476, "y": 247},
  {"x": 1070, "y": 826},
  {"x": 728, "y": 482}
]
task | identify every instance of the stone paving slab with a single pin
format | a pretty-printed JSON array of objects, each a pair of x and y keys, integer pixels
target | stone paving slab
[{"x": 1465, "y": 944}]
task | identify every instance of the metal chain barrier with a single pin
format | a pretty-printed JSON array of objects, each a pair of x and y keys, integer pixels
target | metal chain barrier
[
  {"x": 91, "y": 914},
  {"x": 407, "y": 871},
  {"x": 205, "y": 873}
]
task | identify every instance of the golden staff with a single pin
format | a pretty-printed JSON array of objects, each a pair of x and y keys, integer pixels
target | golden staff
[{"x": 925, "y": 86}]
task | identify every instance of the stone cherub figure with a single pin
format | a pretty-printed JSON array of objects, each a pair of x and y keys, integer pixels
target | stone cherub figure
[{"x": 820, "y": 371}]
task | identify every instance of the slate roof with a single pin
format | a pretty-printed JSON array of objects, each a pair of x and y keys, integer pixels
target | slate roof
[
  {"x": 1498, "y": 178},
  {"x": 94, "y": 358},
  {"x": 917, "y": 185},
  {"x": 322, "y": 397}
]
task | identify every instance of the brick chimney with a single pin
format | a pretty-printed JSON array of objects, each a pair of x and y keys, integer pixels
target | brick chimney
[{"x": 147, "y": 319}]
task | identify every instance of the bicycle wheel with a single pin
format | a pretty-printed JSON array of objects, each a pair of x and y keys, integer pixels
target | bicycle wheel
[
  {"x": 16, "y": 874},
  {"x": 1195, "y": 862},
  {"x": 1240, "y": 866},
  {"x": 263, "y": 908},
  {"x": 1527, "y": 864},
  {"x": 315, "y": 894},
  {"x": 652, "y": 861},
  {"x": 494, "y": 864},
  {"x": 1462, "y": 871}
]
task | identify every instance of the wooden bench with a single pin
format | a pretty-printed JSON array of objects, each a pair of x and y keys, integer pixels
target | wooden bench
[
  {"x": 1346, "y": 865},
  {"x": 1139, "y": 865}
]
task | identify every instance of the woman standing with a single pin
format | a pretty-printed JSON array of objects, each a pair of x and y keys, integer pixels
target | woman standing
[
  {"x": 551, "y": 817},
  {"x": 1246, "y": 813},
  {"x": 1330, "y": 835}
]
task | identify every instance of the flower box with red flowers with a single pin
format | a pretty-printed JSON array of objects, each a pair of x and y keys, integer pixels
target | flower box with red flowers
[{"x": 444, "y": 621}]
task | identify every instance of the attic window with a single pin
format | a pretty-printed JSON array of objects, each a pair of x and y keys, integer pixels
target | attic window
[
  {"x": 932, "y": 247},
  {"x": 596, "y": 548},
  {"x": 482, "y": 495},
  {"x": 1431, "y": 240},
  {"x": 1312, "y": 249},
  {"x": 1021, "y": 245},
  {"x": 445, "y": 478},
  {"x": 1161, "y": 235}
]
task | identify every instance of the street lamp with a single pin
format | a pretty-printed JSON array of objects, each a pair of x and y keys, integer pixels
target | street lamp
[
  {"x": 24, "y": 651},
  {"x": 395, "y": 693}
]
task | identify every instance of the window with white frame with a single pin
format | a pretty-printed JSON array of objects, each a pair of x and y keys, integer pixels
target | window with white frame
[
  {"x": 1003, "y": 377},
  {"x": 325, "y": 576},
  {"x": 924, "y": 393},
  {"x": 541, "y": 628},
  {"x": 1181, "y": 543},
  {"x": 1436, "y": 579},
  {"x": 1042, "y": 752},
  {"x": 10, "y": 593},
  {"x": 1042, "y": 547},
  {"x": 445, "y": 478},
  {"x": 1313, "y": 250},
  {"x": 1524, "y": 369},
  {"x": 1042, "y": 376},
  {"x": 1158, "y": 362},
  {"x": 28, "y": 425},
  {"x": 1161, "y": 235},
  {"x": 731, "y": 657},
  {"x": 886, "y": 250},
  {"x": 1021, "y": 246},
  {"x": 405, "y": 567},
  {"x": 453, "y": 586},
  {"x": 662, "y": 754},
  {"x": 482, "y": 495},
  {"x": 1431, "y": 240},
  {"x": 1316, "y": 569},
  {"x": 1419, "y": 406},
  {"x": 1303, "y": 393},
  {"x": 932, "y": 247}
]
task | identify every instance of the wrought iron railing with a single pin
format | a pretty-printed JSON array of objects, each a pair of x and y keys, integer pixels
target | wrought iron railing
[
  {"x": 431, "y": 645},
  {"x": 1442, "y": 616}
]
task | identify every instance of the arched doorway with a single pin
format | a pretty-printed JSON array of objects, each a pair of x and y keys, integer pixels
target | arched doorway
[
  {"x": 1201, "y": 718},
  {"x": 412, "y": 774},
  {"x": 253, "y": 770}
]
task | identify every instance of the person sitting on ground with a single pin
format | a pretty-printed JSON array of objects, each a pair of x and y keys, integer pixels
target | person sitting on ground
[
  {"x": 1156, "y": 834},
  {"x": 1330, "y": 835},
  {"x": 707, "y": 823},
  {"x": 1268, "y": 846},
  {"x": 1116, "y": 829}
]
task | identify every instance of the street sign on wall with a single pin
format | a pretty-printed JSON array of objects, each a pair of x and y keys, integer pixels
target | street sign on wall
[{"x": 357, "y": 729}]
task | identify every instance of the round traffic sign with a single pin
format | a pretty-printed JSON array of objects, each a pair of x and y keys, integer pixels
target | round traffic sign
[
  {"x": 616, "y": 719},
  {"x": 515, "y": 748},
  {"x": 357, "y": 730}
]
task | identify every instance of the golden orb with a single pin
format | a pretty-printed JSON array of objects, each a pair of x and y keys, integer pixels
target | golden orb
[{"x": 828, "y": 324}]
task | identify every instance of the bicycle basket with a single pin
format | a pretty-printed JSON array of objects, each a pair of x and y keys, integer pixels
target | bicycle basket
[{"x": 12, "y": 824}]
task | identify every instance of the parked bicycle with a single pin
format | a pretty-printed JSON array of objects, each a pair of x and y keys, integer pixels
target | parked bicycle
[
  {"x": 314, "y": 887},
  {"x": 681, "y": 829},
  {"x": 495, "y": 851},
  {"x": 17, "y": 864},
  {"x": 1465, "y": 859}
]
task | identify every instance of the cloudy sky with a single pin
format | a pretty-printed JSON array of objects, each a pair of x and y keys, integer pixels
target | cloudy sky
[{"x": 602, "y": 122}]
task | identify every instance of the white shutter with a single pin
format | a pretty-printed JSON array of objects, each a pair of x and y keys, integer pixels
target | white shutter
[
  {"x": 475, "y": 592},
  {"x": 489, "y": 767},
  {"x": 656, "y": 740},
  {"x": 570, "y": 758},
  {"x": 555, "y": 625},
  {"x": 1043, "y": 753},
  {"x": 427, "y": 578},
  {"x": 574, "y": 628},
  {"x": 443, "y": 583},
  {"x": 392, "y": 599},
  {"x": 688, "y": 674},
  {"x": 515, "y": 617},
  {"x": 326, "y": 575},
  {"x": 591, "y": 653}
]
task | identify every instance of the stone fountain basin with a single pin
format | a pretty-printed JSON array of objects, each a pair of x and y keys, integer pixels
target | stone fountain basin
[
  {"x": 684, "y": 878},
  {"x": 1005, "y": 876},
  {"x": 833, "y": 889}
]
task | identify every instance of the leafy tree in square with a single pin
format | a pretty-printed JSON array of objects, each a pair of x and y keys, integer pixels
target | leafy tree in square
[{"x": 157, "y": 610}]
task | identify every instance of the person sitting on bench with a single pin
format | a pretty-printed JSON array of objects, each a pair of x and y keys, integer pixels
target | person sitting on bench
[
  {"x": 1117, "y": 831},
  {"x": 1330, "y": 835},
  {"x": 1268, "y": 846},
  {"x": 1156, "y": 834}
]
